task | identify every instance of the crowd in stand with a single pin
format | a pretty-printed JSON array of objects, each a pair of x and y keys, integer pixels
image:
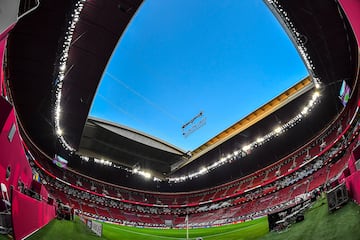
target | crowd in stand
[{"x": 289, "y": 175}]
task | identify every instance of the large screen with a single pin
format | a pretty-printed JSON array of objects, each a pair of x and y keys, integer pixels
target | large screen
[
  {"x": 60, "y": 161},
  {"x": 344, "y": 93}
]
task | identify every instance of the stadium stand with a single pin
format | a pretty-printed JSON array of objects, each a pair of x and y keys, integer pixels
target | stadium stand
[{"x": 249, "y": 204}]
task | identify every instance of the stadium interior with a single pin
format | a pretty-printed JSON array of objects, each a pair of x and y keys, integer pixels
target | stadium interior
[{"x": 56, "y": 161}]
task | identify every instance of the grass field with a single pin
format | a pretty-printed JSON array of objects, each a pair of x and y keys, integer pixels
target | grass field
[
  {"x": 342, "y": 224},
  {"x": 246, "y": 230},
  {"x": 62, "y": 229}
]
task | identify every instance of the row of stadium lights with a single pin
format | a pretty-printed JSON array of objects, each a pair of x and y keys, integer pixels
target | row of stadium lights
[
  {"x": 62, "y": 71},
  {"x": 299, "y": 42},
  {"x": 230, "y": 157},
  {"x": 135, "y": 170}
]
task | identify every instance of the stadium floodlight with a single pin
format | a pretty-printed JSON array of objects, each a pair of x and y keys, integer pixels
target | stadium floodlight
[
  {"x": 305, "y": 111},
  {"x": 316, "y": 95},
  {"x": 260, "y": 139},
  {"x": 311, "y": 103},
  {"x": 59, "y": 132},
  {"x": 277, "y": 130},
  {"x": 85, "y": 158},
  {"x": 246, "y": 148},
  {"x": 203, "y": 170},
  {"x": 146, "y": 175},
  {"x": 58, "y": 111},
  {"x": 214, "y": 165},
  {"x": 155, "y": 179},
  {"x": 62, "y": 67}
]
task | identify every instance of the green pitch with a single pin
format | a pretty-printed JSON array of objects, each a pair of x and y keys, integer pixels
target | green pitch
[
  {"x": 318, "y": 224},
  {"x": 343, "y": 224},
  {"x": 62, "y": 229},
  {"x": 247, "y": 230}
]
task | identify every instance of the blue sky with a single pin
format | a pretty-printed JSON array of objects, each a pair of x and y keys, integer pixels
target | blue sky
[{"x": 180, "y": 57}]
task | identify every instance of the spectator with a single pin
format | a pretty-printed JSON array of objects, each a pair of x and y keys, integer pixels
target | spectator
[{"x": 72, "y": 212}]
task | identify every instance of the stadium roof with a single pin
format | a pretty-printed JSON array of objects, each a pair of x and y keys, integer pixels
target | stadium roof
[{"x": 127, "y": 147}]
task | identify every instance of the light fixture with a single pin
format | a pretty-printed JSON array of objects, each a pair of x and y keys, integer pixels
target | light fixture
[
  {"x": 59, "y": 132},
  {"x": 277, "y": 130},
  {"x": 246, "y": 148},
  {"x": 147, "y": 175},
  {"x": 305, "y": 111},
  {"x": 316, "y": 95}
]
